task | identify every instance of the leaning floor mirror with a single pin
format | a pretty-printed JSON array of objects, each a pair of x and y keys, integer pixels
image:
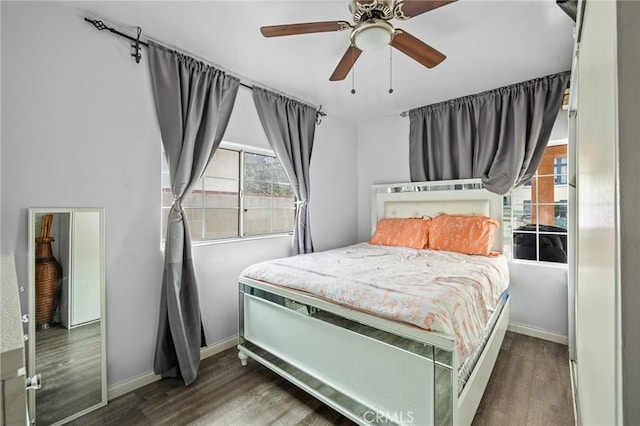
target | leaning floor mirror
[{"x": 66, "y": 345}]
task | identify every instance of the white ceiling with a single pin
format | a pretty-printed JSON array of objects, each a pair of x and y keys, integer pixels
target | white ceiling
[{"x": 488, "y": 44}]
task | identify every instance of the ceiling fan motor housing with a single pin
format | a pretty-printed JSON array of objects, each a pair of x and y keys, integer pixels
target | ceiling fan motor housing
[
  {"x": 363, "y": 11},
  {"x": 375, "y": 10}
]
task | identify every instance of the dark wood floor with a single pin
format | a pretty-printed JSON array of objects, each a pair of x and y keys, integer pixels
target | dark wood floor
[
  {"x": 529, "y": 386},
  {"x": 69, "y": 362}
]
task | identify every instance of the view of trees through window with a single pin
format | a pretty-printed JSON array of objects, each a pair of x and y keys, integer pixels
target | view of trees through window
[
  {"x": 241, "y": 194},
  {"x": 539, "y": 210},
  {"x": 269, "y": 202}
]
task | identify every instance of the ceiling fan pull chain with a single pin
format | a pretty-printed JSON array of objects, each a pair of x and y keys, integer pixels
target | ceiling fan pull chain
[
  {"x": 353, "y": 73},
  {"x": 390, "y": 69}
]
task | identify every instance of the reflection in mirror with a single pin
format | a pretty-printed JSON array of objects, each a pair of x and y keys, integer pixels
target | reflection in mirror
[{"x": 66, "y": 345}]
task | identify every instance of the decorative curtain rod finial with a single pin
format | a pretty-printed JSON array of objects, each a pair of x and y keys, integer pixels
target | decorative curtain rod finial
[
  {"x": 135, "y": 48},
  {"x": 319, "y": 115}
]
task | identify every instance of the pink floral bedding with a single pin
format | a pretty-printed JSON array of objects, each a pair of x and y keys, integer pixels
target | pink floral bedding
[{"x": 440, "y": 291}]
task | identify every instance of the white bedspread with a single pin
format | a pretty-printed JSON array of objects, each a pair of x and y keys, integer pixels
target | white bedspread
[{"x": 439, "y": 291}]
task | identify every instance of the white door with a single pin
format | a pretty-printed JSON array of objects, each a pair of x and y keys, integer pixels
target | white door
[{"x": 85, "y": 268}]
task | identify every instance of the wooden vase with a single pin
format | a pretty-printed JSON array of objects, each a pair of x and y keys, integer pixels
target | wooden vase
[{"x": 47, "y": 279}]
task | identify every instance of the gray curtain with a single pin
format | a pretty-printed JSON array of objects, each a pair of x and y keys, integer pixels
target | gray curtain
[
  {"x": 499, "y": 135},
  {"x": 290, "y": 127},
  {"x": 194, "y": 102}
]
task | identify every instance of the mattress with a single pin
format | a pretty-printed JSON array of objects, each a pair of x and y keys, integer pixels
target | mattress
[
  {"x": 440, "y": 291},
  {"x": 469, "y": 363}
]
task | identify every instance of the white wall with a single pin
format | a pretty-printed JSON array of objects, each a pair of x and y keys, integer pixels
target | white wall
[
  {"x": 383, "y": 157},
  {"x": 539, "y": 292},
  {"x": 79, "y": 129},
  {"x": 539, "y": 297}
]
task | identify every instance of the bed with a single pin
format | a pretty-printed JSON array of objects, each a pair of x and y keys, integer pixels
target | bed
[{"x": 353, "y": 348}]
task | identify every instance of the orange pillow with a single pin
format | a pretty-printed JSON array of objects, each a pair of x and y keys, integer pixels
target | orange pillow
[
  {"x": 462, "y": 234},
  {"x": 403, "y": 232}
]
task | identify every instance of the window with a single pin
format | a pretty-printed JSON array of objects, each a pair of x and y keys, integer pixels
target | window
[
  {"x": 241, "y": 194},
  {"x": 526, "y": 208},
  {"x": 269, "y": 202},
  {"x": 539, "y": 211},
  {"x": 560, "y": 165}
]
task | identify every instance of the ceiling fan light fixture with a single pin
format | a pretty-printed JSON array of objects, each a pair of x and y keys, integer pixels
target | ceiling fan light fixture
[{"x": 372, "y": 35}]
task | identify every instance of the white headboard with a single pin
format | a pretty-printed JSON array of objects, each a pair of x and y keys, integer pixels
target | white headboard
[{"x": 419, "y": 199}]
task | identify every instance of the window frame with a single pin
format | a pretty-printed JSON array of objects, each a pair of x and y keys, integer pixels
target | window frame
[
  {"x": 241, "y": 149},
  {"x": 511, "y": 216}
]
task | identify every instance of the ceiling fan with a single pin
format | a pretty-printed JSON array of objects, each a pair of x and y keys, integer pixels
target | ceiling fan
[{"x": 371, "y": 31}]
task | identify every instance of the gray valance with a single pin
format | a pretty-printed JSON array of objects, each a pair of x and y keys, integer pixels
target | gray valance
[
  {"x": 290, "y": 128},
  {"x": 499, "y": 135},
  {"x": 194, "y": 102}
]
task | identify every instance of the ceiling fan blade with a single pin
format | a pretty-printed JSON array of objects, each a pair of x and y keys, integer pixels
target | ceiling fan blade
[
  {"x": 416, "y": 49},
  {"x": 411, "y": 8},
  {"x": 304, "y": 28},
  {"x": 346, "y": 63}
]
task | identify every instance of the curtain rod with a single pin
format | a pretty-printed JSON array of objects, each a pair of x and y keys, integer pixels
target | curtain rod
[
  {"x": 490, "y": 91},
  {"x": 135, "y": 53}
]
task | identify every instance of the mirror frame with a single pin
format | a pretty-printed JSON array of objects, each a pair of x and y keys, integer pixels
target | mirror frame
[{"x": 31, "y": 364}]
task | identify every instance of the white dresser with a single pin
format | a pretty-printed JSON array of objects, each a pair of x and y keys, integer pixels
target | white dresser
[{"x": 13, "y": 408}]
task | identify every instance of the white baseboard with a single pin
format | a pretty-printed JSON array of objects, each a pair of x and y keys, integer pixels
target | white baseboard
[
  {"x": 129, "y": 385},
  {"x": 540, "y": 334},
  {"x": 223, "y": 345}
]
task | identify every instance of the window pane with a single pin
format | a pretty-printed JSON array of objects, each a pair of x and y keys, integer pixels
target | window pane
[
  {"x": 221, "y": 223},
  {"x": 553, "y": 244},
  {"x": 521, "y": 214},
  {"x": 279, "y": 175},
  {"x": 539, "y": 211},
  {"x": 284, "y": 202},
  {"x": 166, "y": 183},
  {"x": 213, "y": 206},
  {"x": 544, "y": 195},
  {"x": 225, "y": 164},
  {"x": 260, "y": 188},
  {"x": 220, "y": 185},
  {"x": 221, "y": 193},
  {"x": 561, "y": 210},
  {"x": 283, "y": 219},
  {"x": 521, "y": 195},
  {"x": 165, "y": 218},
  {"x": 259, "y": 221},
  {"x": 257, "y": 201},
  {"x": 561, "y": 170},
  {"x": 283, "y": 190},
  {"x": 525, "y": 242},
  {"x": 258, "y": 168},
  {"x": 194, "y": 216},
  {"x": 194, "y": 199},
  {"x": 167, "y": 197},
  {"x": 269, "y": 202}
]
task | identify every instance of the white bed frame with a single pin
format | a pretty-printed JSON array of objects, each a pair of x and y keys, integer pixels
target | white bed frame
[{"x": 370, "y": 369}]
